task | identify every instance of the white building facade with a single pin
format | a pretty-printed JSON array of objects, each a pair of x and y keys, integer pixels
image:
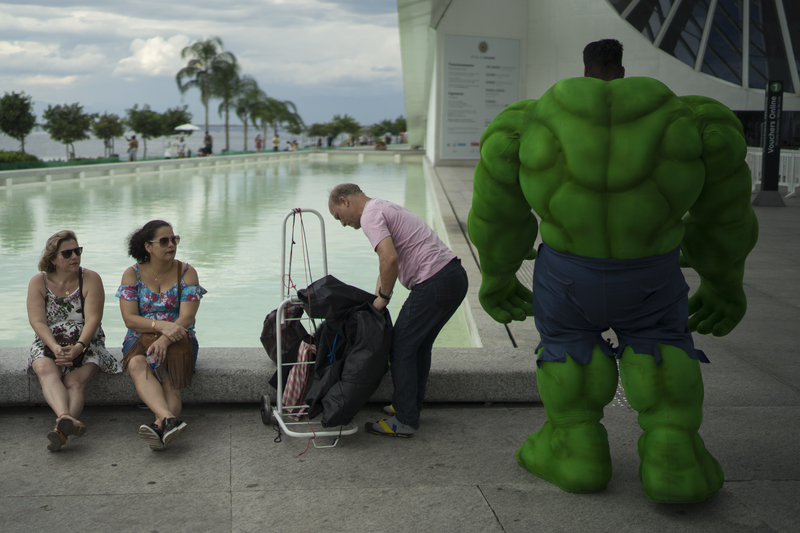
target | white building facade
[{"x": 464, "y": 60}]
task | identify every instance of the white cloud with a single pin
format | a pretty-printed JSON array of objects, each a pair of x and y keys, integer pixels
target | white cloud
[
  {"x": 41, "y": 79},
  {"x": 25, "y": 56},
  {"x": 153, "y": 57}
]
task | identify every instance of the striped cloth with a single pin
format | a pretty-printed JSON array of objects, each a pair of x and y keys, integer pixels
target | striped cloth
[{"x": 296, "y": 382}]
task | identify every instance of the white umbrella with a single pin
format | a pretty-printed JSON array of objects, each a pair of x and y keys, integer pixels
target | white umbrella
[{"x": 187, "y": 127}]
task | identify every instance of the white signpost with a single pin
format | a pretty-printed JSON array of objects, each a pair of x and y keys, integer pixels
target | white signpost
[{"x": 481, "y": 78}]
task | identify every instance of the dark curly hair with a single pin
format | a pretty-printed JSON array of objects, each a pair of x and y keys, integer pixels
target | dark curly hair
[{"x": 141, "y": 236}]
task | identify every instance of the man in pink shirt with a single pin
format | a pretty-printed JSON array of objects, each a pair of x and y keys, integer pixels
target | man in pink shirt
[{"x": 409, "y": 251}]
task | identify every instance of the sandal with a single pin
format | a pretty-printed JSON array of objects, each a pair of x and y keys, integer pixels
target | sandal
[
  {"x": 70, "y": 426},
  {"x": 56, "y": 440}
]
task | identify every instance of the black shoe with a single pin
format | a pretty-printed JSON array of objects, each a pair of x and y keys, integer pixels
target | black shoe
[
  {"x": 152, "y": 435},
  {"x": 171, "y": 428}
]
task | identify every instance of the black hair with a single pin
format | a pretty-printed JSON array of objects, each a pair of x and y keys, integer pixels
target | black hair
[
  {"x": 142, "y": 236},
  {"x": 603, "y": 59}
]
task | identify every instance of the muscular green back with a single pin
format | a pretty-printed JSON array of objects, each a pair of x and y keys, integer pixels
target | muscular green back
[{"x": 612, "y": 169}]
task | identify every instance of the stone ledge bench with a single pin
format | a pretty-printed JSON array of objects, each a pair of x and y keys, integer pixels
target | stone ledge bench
[{"x": 241, "y": 375}]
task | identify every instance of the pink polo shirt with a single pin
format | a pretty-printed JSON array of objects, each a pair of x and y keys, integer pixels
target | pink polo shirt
[{"x": 420, "y": 252}]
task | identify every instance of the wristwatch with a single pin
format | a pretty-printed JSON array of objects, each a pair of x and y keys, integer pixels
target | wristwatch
[{"x": 387, "y": 298}]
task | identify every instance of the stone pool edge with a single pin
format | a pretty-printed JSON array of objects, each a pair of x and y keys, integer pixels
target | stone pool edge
[{"x": 495, "y": 372}]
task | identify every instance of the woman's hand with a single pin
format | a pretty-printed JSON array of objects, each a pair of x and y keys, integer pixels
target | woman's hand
[
  {"x": 159, "y": 349},
  {"x": 171, "y": 330},
  {"x": 66, "y": 354}
]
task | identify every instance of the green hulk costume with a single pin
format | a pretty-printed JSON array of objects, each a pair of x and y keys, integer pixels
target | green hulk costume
[{"x": 618, "y": 170}]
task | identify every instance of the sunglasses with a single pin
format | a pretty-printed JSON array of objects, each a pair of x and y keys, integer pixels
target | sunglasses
[
  {"x": 66, "y": 254},
  {"x": 164, "y": 241}
]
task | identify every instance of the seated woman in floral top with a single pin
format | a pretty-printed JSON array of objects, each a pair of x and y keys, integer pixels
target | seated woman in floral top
[{"x": 148, "y": 299}]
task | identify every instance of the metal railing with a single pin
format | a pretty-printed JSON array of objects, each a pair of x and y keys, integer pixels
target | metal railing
[{"x": 789, "y": 170}]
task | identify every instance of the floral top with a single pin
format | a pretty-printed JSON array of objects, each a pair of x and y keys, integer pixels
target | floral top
[
  {"x": 64, "y": 317},
  {"x": 163, "y": 306}
]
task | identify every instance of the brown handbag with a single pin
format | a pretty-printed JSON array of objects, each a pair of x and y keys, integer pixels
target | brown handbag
[
  {"x": 66, "y": 340},
  {"x": 178, "y": 363}
]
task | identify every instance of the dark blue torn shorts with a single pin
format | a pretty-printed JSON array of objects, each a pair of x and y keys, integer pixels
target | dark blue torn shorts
[{"x": 644, "y": 300}]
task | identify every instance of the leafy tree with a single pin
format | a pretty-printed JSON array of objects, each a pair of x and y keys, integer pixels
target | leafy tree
[
  {"x": 108, "y": 127},
  {"x": 375, "y": 130},
  {"x": 347, "y": 124},
  {"x": 67, "y": 124},
  {"x": 317, "y": 130},
  {"x": 172, "y": 118},
  {"x": 248, "y": 101},
  {"x": 275, "y": 113},
  {"x": 203, "y": 56},
  {"x": 146, "y": 122},
  {"x": 16, "y": 116},
  {"x": 226, "y": 84},
  {"x": 399, "y": 125}
]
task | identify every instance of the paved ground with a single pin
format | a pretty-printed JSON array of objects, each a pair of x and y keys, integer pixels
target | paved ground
[{"x": 458, "y": 474}]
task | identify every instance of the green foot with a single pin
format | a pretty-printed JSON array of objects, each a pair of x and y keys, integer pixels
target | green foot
[
  {"x": 676, "y": 467},
  {"x": 575, "y": 459}
]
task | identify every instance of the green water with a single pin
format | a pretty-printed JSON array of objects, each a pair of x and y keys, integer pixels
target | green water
[{"x": 230, "y": 228}]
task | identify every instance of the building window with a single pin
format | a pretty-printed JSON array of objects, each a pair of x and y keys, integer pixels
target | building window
[
  {"x": 648, "y": 16},
  {"x": 723, "y": 57},
  {"x": 767, "y": 51},
  {"x": 682, "y": 38},
  {"x": 678, "y": 27}
]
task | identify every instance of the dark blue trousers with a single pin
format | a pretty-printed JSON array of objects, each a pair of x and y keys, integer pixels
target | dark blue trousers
[{"x": 427, "y": 309}]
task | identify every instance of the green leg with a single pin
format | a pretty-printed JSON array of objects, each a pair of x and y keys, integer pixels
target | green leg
[
  {"x": 675, "y": 465},
  {"x": 571, "y": 449}
]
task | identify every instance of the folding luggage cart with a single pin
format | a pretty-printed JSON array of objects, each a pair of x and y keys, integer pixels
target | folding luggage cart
[{"x": 278, "y": 412}]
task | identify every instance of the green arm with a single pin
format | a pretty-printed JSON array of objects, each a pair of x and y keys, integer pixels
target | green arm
[
  {"x": 501, "y": 224},
  {"x": 721, "y": 227}
]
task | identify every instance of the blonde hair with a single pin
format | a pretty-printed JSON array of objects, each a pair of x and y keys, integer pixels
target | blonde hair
[{"x": 51, "y": 249}]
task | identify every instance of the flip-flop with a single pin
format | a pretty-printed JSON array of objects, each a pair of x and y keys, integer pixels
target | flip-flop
[
  {"x": 382, "y": 428},
  {"x": 56, "y": 440}
]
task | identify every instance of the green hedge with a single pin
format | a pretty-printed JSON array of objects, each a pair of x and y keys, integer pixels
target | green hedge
[{"x": 20, "y": 161}]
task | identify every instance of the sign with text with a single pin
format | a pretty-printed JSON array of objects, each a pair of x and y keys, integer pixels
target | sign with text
[
  {"x": 771, "y": 155},
  {"x": 481, "y": 78}
]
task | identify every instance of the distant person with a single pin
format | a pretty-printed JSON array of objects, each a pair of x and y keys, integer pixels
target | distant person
[
  {"x": 329, "y": 139},
  {"x": 150, "y": 304},
  {"x": 379, "y": 145},
  {"x": 259, "y": 143},
  {"x": 409, "y": 251},
  {"x": 294, "y": 146},
  {"x": 208, "y": 144},
  {"x": 319, "y": 143},
  {"x": 288, "y": 147},
  {"x": 65, "y": 307},
  {"x": 133, "y": 145},
  {"x": 388, "y": 138},
  {"x": 181, "y": 148},
  {"x": 276, "y": 142}
]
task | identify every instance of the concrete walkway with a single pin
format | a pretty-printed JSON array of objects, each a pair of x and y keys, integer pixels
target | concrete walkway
[{"x": 458, "y": 473}]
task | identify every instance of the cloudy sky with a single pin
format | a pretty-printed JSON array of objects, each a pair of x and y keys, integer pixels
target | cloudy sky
[{"x": 327, "y": 56}]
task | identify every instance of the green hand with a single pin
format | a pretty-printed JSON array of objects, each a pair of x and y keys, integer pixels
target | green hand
[
  {"x": 505, "y": 299},
  {"x": 714, "y": 312}
]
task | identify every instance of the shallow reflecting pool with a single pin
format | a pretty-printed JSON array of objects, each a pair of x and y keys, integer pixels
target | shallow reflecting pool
[{"x": 229, "y": 223}]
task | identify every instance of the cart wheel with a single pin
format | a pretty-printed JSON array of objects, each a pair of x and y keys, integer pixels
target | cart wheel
[{"x": 266, "y": 411}]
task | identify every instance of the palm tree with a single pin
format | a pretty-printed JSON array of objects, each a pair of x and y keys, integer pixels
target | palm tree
[
  {"x": 249, "y": 98},
  {"x": 204, "y": 55},
  {"x": 265, "y": 113},
  {"x": 225, "y": 83}
]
